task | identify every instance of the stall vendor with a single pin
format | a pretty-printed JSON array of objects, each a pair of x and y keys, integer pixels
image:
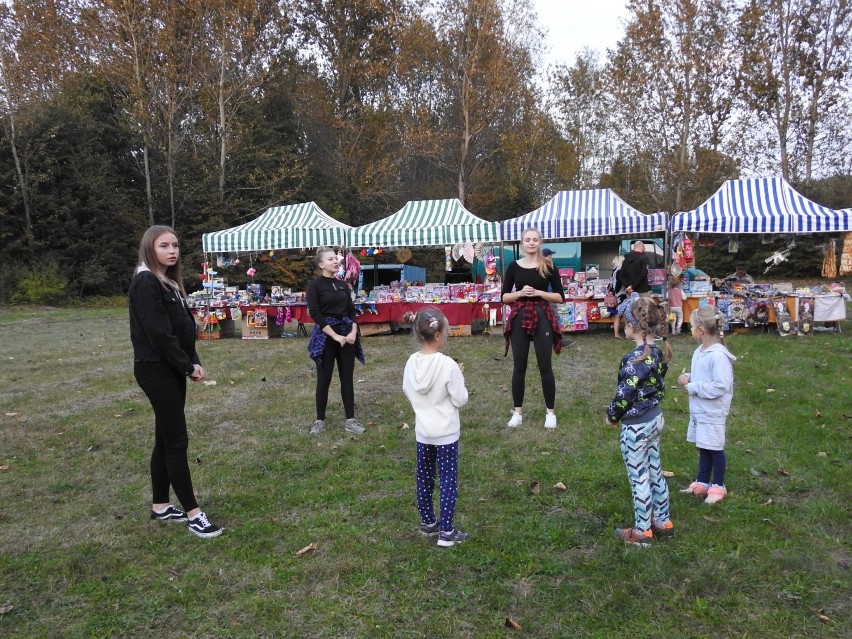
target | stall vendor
[{"x": 740, "y": 276}]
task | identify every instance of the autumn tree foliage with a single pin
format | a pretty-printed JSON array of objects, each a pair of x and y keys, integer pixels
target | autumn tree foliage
[{"x": 200, "y": 114}]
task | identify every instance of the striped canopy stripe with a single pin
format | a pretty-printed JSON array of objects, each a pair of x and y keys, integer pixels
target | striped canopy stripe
[
  {"x": 295, "y": 226},
  {"x": 584, "y": 214},
  {"x": 426, "y": 223},
  {"x": 760, "y": 205}
]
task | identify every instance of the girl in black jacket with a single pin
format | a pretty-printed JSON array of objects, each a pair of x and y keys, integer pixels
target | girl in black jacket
[{"x": 162, "y": 332}]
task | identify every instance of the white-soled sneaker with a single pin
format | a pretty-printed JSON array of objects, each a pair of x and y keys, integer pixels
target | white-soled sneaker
[
  {"x": 202, "y": 527},
  {"x": 448, "y": 539},
  {"x": 516, "y": 420},
  {"x": 550, "y": 420},
  {"x": 353, "y": 426},
  {"x": 169, "y": 514},
  {"x": 318, "y": 427}
]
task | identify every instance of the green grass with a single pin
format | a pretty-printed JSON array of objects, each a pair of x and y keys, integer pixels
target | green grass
[{"x": 79, "y": 557}]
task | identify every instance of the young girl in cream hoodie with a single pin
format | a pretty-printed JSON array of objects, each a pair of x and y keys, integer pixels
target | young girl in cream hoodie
[{"x": 434, "y": 384}]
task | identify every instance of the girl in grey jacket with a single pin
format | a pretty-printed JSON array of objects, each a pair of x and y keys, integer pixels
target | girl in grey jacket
[{"x": 710, "y": 386}]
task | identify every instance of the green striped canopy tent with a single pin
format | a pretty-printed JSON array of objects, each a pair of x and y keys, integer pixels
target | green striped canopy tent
[
  {"x": 295, "y": 226},
  {"x": 426, "y": 223}
]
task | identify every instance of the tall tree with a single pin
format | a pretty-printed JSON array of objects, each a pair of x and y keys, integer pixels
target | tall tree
[
  {"x": 489, "y": 48},
  {"x": 796, "y": 60},
  {"x": 673, "y": 90}
]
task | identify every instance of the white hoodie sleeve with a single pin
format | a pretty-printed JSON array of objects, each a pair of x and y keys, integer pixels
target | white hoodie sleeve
[
  {"x": 456, "y": 387},
  {"x": 721, "y": 378}
]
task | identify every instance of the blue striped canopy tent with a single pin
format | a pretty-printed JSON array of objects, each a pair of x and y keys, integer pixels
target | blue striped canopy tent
[
  {"x": 426, "y": 223},
  {"x": 295, "y": 226},
  {"x": 760, "y": 205},
  {"x": 594, "y": 213}
]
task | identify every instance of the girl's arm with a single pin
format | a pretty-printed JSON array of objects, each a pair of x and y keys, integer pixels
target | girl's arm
[
  {"x": 456, "y": 387},
  {"x": 629, "y": 379},
  {"x": 721, "y": 380}
]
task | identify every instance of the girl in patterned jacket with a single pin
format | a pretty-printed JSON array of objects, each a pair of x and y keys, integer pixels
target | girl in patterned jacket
[{"x": 636, "y": 405}]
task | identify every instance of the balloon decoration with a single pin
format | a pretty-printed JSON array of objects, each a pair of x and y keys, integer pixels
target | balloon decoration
[{"x": 371, "y": 251}]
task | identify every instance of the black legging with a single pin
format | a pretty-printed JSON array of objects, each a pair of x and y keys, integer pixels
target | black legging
[
  {"x": 543, "y": 344},
  {"x": 345, "y": 358},
  {"x": 166, "y": 390}
]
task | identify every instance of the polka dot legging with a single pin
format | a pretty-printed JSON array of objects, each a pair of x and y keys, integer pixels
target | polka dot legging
[{"x": 446, "y": 459}]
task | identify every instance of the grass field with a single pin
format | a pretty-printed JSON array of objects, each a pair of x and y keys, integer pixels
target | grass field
[{"x": 79, "y": 557}]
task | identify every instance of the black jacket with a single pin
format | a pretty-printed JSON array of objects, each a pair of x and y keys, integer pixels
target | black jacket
[
  {"x": 161, "y": 327},
  {"x": 634, "y": 272}
]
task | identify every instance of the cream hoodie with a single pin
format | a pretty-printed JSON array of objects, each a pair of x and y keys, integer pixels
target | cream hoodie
[{"x": 434, "y": 385}]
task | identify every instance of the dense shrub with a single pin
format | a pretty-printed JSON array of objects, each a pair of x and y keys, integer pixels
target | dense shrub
[{"x": 43, "y": 284}]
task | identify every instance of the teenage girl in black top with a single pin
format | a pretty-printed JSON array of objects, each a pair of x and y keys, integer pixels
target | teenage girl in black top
[
  {"x": 334, "y": 339},
  {"x": 162, "y": 332},
  {"x": 531, "y": 320}
]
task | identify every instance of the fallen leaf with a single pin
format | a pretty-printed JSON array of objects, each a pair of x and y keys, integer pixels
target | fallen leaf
[
  {"x": 511, "y": 623},
  {"x": 768, "y": 502},
  {"x": 784, "y": 471},
  {"x": 818, "y": 414},
  {"x": 535, "y": 488},
  {"x": 519, "y": 482},
  {"x": 118, "y": 415},
  {"x": 15, "y": 415},
  {"x": 712, "y": 520},
  {"x": 557, "y": 486},
  {"x": 404, "y": 427},
  {"x": 821, "y": 616},
  {"x": 309, "y": 548},
  {"x": 674, "y": 398},
  {"x": 359, "y": 381},
  {"x": 4, "y": 467},
  {"x": 749, "y": 451},
  {"x": 668, "y": 473},
  {"x": 822, "y": 453},
  {"x": 770, "y": 390},
  {"x": 209, "y": 382},
  {"x": 6, "y": 608}
]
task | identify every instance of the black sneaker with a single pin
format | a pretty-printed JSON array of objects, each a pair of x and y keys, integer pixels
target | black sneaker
[
  {"x": 202, "y": 527},
  {"x": 429, "y": 530},
  {"x": 169, "y": 514},
  {"x": 447, "y": 539}
]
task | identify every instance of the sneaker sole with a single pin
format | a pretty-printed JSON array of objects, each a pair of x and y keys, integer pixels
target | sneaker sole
[
  {"x": 448, "y": 544},
  {"x": 207, "y": 535},
  {"x": 354, "y": 432},
  {"x": 429, "y": 534},
  {"x": 171, "y": 521}
]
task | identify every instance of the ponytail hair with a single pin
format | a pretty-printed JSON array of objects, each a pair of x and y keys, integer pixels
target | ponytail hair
[
  {"x": 545, "y": 262},
  {"x": 427, "y": 324},
  {"x": 651, "y": 320}
]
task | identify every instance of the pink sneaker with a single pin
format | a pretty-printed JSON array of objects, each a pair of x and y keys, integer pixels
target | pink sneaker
[
  {"x": 697, "y": 488},
  {"x": 716, "y": 494}
]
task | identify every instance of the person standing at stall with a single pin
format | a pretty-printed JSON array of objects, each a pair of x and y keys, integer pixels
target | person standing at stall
[
  {"x": 634, "y": 271},
  {"x": 334, "y": 339},
  {"x": 162, "y": 332},
  {"x": 531, "y": 320}
]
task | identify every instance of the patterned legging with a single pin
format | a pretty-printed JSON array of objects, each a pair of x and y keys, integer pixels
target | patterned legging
[
  {"x": 640, "y": 449},
  {"x": 446, "y": 459}
]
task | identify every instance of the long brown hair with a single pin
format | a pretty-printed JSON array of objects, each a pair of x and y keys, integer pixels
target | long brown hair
[
  {"x": 545, "y": 263},
  {"x": 170, "y": 277}
]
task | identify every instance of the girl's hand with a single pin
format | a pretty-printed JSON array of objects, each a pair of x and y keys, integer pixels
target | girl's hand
[
  {"x": 197, "y": 373},
  {"x": 683, "y": 379},
  {"x": 609, "y": 423},
  {"x": 350, "y": 339},
  {"x": 529, "y": 291},
  {"x": 461, "y": 367}
]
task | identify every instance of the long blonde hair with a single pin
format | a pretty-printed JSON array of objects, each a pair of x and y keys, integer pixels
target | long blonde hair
[
  {"x": 170, "y": 277},
  {"x": 545, "y": 263}
]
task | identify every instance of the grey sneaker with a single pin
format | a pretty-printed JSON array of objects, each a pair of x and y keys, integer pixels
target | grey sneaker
[
  {"x": 429, "y": 530},
  {"x": 447, "y": 539},
  {"x": 318, "y": 427},
  {"x": 352, "y": 426}
]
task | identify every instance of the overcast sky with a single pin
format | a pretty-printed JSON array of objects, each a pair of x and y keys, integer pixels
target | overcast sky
[{"x": 573, "y": 25}]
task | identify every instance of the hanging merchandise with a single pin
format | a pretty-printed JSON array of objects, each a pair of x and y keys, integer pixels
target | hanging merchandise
[
  {"x": 403, "y": 255},
  {"x": 353, "y": 269},
  {"x": 448, "y": 259},
  {"x": 688, "y": 251},
  {"x": 733, "y": 245},
  {"x": 829, "y": 263},
  {"x": 467, "y": 252},
  {"x": 341, "y": 271},
  {"x": 846, "y": 256}
]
